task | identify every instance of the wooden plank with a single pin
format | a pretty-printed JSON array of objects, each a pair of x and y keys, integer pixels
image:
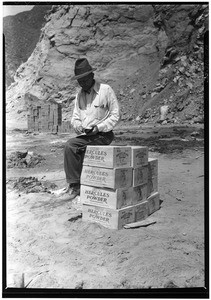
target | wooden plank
[
  {"x": 105, "y": 197},
  {"x": 139, "y": 156},
  {"x": 153, "y": 203},
  {"x": 110, "y": 218},
  {"x": 103, "y": 177},
  {"x": 143, "y": 223},
  {"x": 152, "y": 167},
  {"x": 108, "y": 156},
  {"x": 140, "y": 175}
]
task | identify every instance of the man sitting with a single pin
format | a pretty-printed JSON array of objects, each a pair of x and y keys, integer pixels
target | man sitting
[{"x": 95, "y": 114}]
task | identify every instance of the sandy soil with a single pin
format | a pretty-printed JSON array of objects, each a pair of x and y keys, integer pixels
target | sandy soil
[{"x": 48, "y": 242}]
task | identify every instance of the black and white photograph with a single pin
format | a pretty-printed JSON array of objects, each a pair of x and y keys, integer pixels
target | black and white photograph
[{"x": 105, "y": 149}]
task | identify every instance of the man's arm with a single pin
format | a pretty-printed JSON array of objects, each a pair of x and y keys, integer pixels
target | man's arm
[
  {"x": 76, "y": 118},
  {"x": 113, "y": 117}
]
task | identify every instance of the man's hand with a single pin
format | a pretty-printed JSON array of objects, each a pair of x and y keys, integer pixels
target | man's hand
[
  {"x": 79, "y": 129},
  {"x": 92, "y": 131}
]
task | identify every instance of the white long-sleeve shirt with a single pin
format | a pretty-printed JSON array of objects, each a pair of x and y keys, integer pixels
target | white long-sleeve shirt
[{"x": 100, "y": 108}]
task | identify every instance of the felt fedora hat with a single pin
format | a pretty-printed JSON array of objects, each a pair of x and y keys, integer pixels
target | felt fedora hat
[{"x": 82, "y": 68}]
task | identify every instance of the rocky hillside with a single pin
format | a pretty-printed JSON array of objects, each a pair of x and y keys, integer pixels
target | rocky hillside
[
  {"x": 22, "y": 33},
  {"x": 150, "y": 54}
]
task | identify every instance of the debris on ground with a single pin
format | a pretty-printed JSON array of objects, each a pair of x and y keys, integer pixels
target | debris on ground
[
  {"x": 24, "y": 159},
  {"x": 143, "y": 223},
  {"x": 32, "y": 185},
  {"x": 170, "y": 285}
]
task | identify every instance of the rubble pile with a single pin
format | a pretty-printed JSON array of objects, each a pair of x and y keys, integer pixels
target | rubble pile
[
  {"x": 24, "y": 159},
  {"x": 180, "y": 80},
  {"x": 32, "y": 185},
  {"x": 183, "y": 81}
]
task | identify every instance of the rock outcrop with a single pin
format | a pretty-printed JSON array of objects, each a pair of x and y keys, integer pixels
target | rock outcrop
[
  {"x": 21, "y": 33},
  {"x": 149, "y": 54}
]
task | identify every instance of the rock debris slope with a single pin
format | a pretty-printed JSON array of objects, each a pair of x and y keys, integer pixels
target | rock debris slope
[{"x": 150, "y": 54}]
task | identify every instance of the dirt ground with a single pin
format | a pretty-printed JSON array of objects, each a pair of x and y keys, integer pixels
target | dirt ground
[{"x": 52, "y": 247}]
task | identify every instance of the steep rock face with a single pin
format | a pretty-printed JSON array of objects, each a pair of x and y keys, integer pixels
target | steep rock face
[
  {"x": 132, "y": 46},
  {"x": 22, "y": 33},
  {"x": 114, "y": 38}
]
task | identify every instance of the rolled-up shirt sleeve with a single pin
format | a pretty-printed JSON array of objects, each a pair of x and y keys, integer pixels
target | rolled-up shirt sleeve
[
  {"x": 76, "y": 116},
  {"x": 113, "y": 116}
]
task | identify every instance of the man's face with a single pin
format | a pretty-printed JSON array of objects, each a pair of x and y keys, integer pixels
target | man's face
[{"x": 86, "y": 81}]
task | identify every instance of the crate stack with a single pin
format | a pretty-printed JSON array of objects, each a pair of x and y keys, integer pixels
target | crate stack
[
  {"x": 34, "y": 118},
  {"x": 51, "y": 117},
  {"x": 47, "y": 117},
  {"x": 114, "y": 185}
]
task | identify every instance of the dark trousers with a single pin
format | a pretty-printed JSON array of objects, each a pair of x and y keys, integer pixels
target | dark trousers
[{"x": 74, "y": 152}]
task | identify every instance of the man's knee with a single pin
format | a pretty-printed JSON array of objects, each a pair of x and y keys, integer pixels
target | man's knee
[
  {"x": 71, "y": 143},
  {"x": 75, "y": 146}
]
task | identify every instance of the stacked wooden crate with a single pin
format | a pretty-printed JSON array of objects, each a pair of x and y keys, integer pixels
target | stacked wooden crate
[
  {"x": 33, "y": 118},
  {"x": 47, "y": 117},
  {"x": 153, "y": 196},
  {"x": 114, "y": 185}
]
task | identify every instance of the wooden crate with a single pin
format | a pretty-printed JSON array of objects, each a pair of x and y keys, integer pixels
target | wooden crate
[
  {"x": 140, "y": 175},
  {"x": 152, "y": 167},
  {"x": 103, "y": 177},
  {"x": 153, "y": 203},
  {"x": 152, "y": 186},
  {"x": 110, "y": 218},
  {"x": 141, "y": 211},
  {"x": 105, "y": 197},
  {"x": 139, "y": 193},
  {"x": 108, "y": 156},
  {"x": 139, "y": 156}
]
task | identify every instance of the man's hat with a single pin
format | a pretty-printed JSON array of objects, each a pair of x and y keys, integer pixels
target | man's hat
[{"x": 82, "y": 68}]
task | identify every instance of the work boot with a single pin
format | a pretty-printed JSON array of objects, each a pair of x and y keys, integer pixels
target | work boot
[{"x": 72, "y": 191}]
